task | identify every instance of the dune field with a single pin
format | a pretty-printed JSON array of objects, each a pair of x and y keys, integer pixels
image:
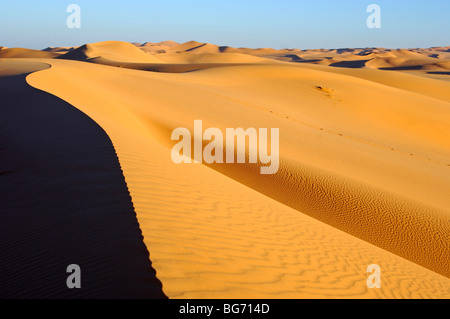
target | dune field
[{"x": 87, "y": 177}]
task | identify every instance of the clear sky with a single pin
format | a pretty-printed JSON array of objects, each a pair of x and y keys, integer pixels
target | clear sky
[{"x": 251, "y": 23}]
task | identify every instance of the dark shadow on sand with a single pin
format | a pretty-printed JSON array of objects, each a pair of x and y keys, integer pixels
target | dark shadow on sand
[
  {"x": 64, "y": 200},
  {"x": 403, "y": 68},
  {"x": 439, "y": 72},
  {"x": 354, "y": 64}
]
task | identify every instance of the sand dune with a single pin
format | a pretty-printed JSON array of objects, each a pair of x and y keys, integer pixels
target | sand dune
[
  {"x": 26, "y": 53},
  {"x": 203, "y": 48},
  {"x": 188, "y": 57},
  {"x": 367, "y": 160},
  {"x": 258, "y": 52},
  {"x": 425, "y": 62},
  {"x": 160, "y": 47},
  {"x": 149, "y": 47},
  {"x": 59, "y": 49},
  {"x": 187, "y": 46},
  {"x": 180, "y": 67},
  {"x": 429, "y": 62},
  {"x": 110, "y": 51},
  {"x": 148, "y": 57},
  {"x": 63, "y": 201},
  {"x": 401, "y": 80},
  {"x": 363, "y": 178},
  {"x": 377, "y": 58},
  {"x": 168, "y": 43}
]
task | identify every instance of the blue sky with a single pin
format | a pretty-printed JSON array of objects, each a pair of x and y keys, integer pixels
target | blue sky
[{"x": 251, "y": 23}]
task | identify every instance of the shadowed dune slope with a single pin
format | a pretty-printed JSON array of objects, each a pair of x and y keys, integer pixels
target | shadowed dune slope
[
  {"x": 369, "y": 159},
  {"x": 63, "y": 201}
]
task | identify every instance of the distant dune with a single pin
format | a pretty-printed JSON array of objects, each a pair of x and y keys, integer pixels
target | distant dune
[
  {"x": 429, "y": 62},
  {"x": 25, "y": 53},
  {"x": 160, "y": 47},
  {"x": 114, "y": 51},
  {"x": 188, "y": 46},
  {"x": 191, "y": 57},
  {"x": 152, "y": 47},
  {"x": 364, "y": 164},
  {"x": 59, "y": 49},
  {"x": 169, "y": 44}
]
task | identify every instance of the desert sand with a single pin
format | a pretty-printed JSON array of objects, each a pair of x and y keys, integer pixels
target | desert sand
[{"x": 364, "y": 163}]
